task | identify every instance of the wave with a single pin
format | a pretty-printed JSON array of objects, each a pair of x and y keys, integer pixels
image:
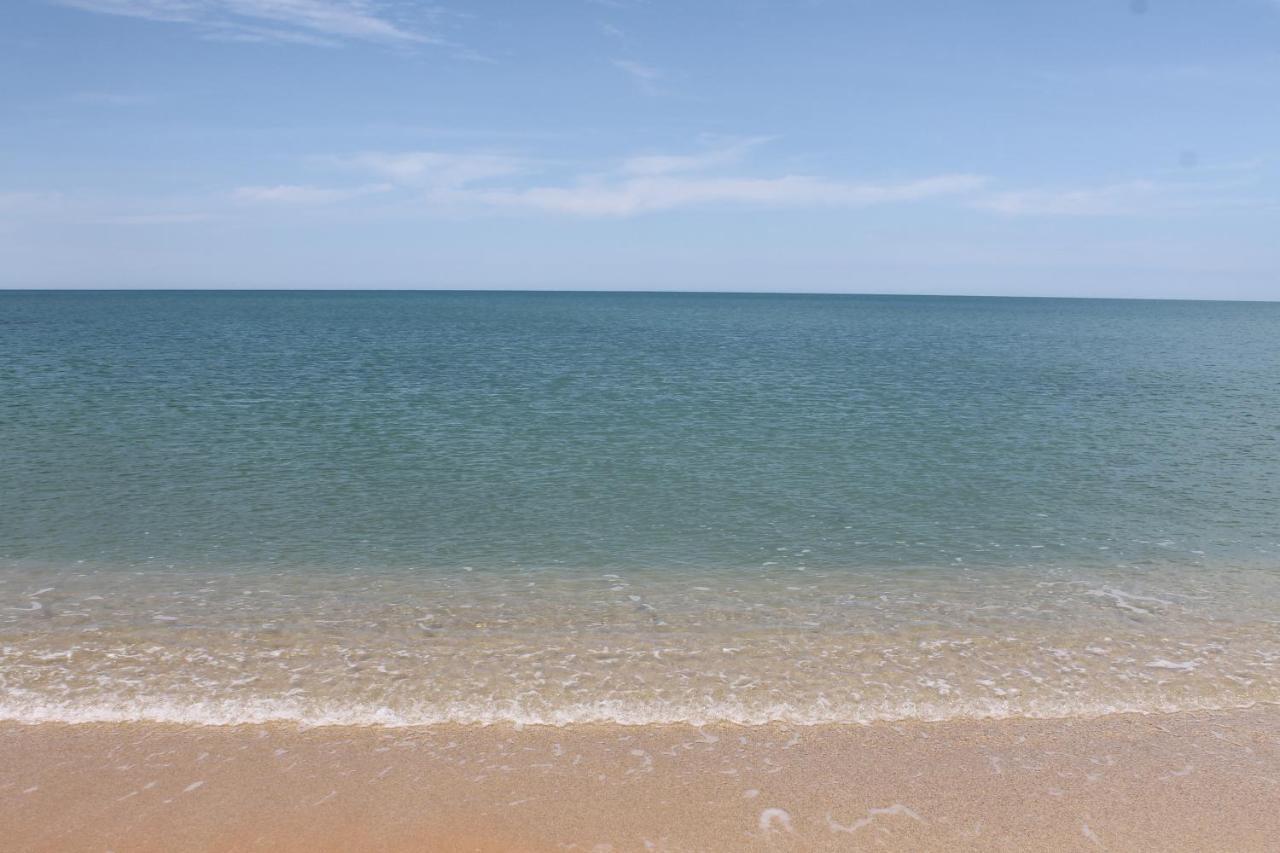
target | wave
[{"x": 235, "y": 712}]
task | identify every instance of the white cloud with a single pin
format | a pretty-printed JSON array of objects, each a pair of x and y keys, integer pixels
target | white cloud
[
  {"x": 1111, "y": 200},
  {"x": 665, "y": 164},
  {"x": 437, "y": 168},
  {"x": 637, "y": 195},
  {"x": 636, "y": 185},
  {"x": 311, "y": 21},
  {"x": 294, "y": 194},
  {"x": 645, "y": 77}
]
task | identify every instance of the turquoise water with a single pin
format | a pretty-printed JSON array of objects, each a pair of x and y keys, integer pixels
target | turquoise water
[{"x": 287, "y": 491}]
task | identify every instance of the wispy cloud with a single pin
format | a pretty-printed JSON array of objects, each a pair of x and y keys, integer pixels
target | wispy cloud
[
  {"x": 1117, "y": 199},
  {"x": 308, "y": 21},
  {"x": 296, "y": 194},
  {"x": 477, "y": 182},
  {"x": 712, "y": 156},
  {"x": 1227, "y": 188},
  {"x": 636, "y": 195},
  {"x": 641, "y": 184},
  {"x": 437, "y": 168},
  {"x": 645, "y": 77}
]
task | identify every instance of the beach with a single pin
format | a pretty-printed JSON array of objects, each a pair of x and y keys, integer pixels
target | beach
[
  {"x": 628, "y": 425},
  {"x": 1125, "y": 782},
  {"x": 681, "y": 572}
]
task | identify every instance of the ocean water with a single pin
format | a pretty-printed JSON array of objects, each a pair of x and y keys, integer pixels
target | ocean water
[{"x": 413, "y": 508}]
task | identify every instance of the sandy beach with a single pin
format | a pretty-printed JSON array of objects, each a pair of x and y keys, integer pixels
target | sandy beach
[
  {"x": 1125, "y": 782},
  {"x": 634, "y": 425}
]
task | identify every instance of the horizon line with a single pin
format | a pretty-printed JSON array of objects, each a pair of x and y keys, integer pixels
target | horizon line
[{"x": 623, "y": 291}]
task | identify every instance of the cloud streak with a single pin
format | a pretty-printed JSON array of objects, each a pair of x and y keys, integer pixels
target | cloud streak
[
  {"x": 639, "y": 195},
  {"x": 300, "y": 195},
  {"x": 665, "y": 164},
  {"x": 478, "y": 182},
  {"x": 436, "y": 168},
  {"x": 324, "y": 22},
  {"x": 1120, "y": 199},
  {"x": 462, "y": 182}
]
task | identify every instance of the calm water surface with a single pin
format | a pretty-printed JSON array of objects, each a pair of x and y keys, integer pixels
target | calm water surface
[{"x": 414, "y": 508}]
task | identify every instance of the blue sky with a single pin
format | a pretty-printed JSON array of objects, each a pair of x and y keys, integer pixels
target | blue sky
[{"x": 1040, "y": 147}]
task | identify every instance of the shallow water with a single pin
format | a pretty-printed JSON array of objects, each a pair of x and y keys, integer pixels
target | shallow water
[{"x": 412, "y": 508}]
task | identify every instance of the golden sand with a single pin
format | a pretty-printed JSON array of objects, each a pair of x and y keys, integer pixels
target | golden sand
[{"x": 1160, "y": 783}]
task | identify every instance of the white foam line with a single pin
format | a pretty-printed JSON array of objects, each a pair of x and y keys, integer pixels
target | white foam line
[{"x": 175, "y": 711}]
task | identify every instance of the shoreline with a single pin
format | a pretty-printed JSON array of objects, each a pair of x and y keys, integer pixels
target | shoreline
[
  {"x": 338, "y": 722},
  {"x": 1181, "y": 781}
]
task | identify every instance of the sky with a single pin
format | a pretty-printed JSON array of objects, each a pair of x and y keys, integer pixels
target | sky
[{"x": 1125, "y": 148}]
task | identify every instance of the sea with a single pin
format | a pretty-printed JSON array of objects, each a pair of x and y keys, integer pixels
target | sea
[{"x": 420, "y": 508}]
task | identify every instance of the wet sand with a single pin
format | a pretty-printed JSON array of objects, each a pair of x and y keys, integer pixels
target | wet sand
[{"x": 1203, "y": 781}]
